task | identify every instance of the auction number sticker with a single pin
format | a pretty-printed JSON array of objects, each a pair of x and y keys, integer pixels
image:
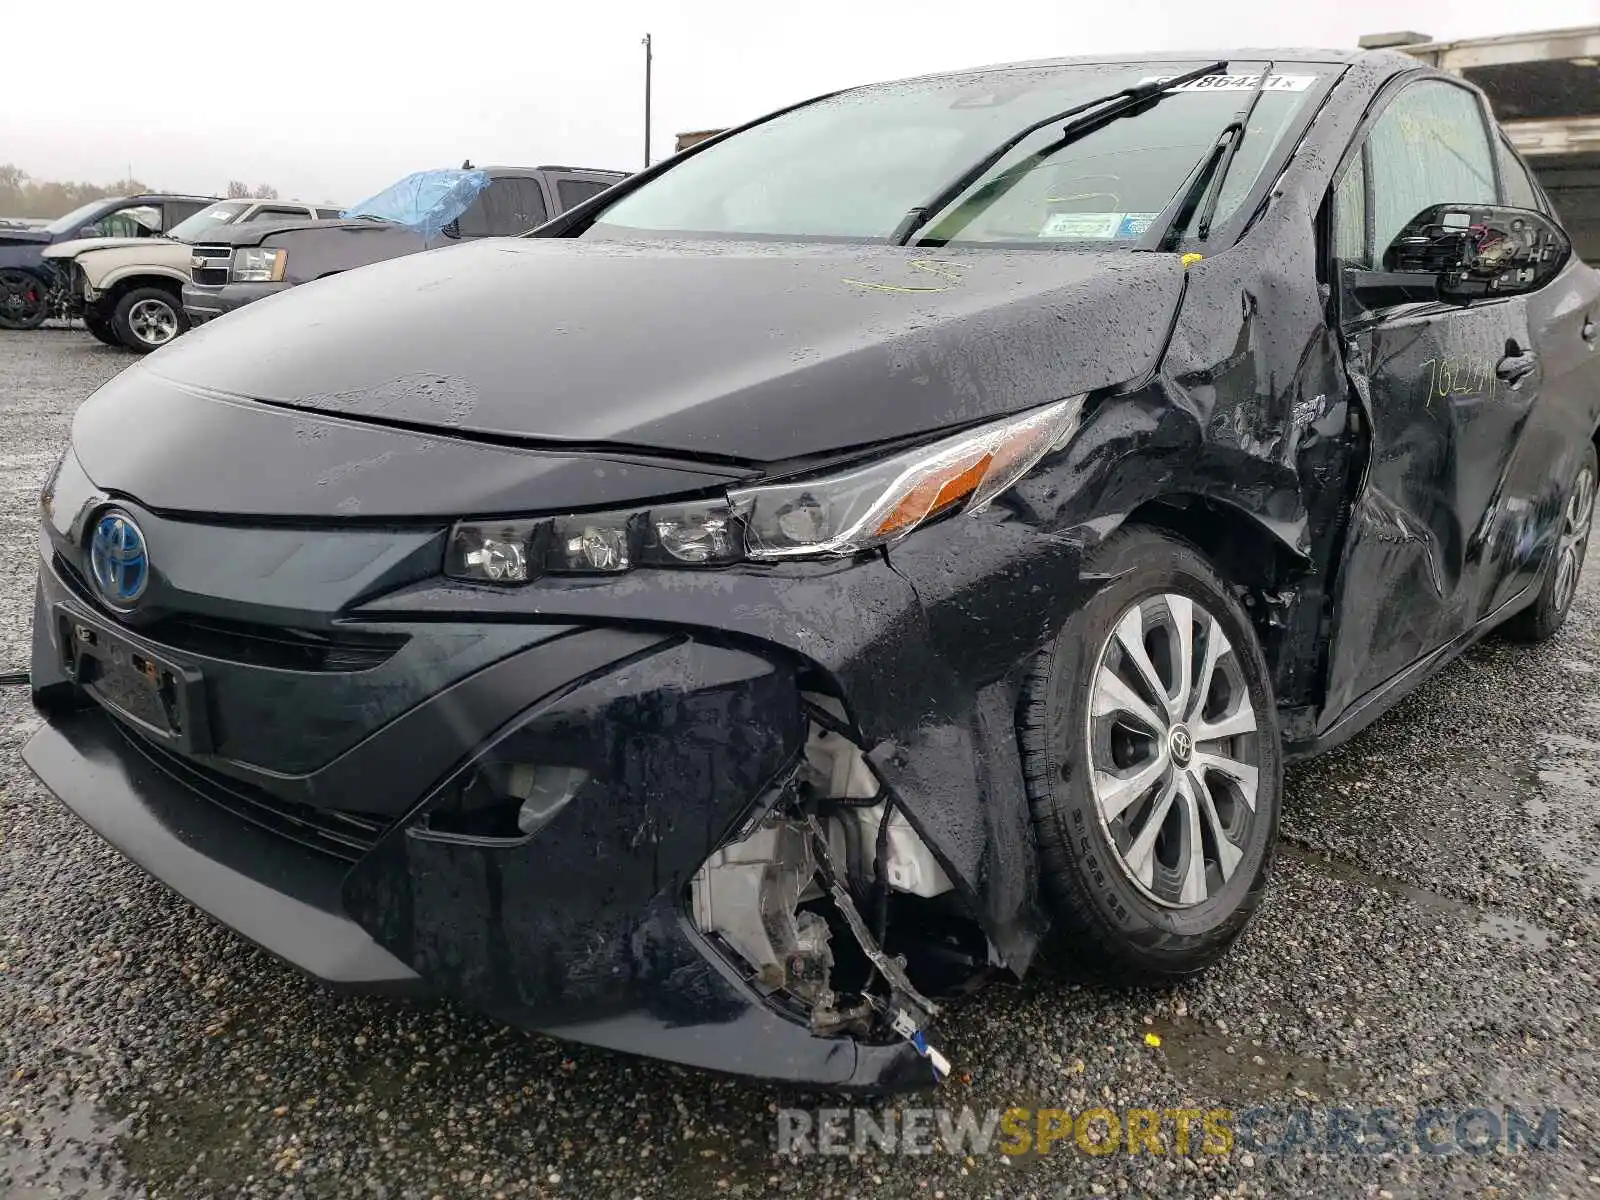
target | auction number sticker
[
  {"x": 1238, "y": 83},
  {"x": 1097, "y": 226}
]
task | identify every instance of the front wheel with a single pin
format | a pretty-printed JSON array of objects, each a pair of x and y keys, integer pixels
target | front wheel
[
  {"x": 147, "y": 319},
  {"x": 24, "y": 300},
  {"x": 1153, "y": 763}
]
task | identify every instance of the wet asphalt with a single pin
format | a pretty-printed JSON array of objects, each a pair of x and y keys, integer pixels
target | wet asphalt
[{"x": 1431, "y": 937}]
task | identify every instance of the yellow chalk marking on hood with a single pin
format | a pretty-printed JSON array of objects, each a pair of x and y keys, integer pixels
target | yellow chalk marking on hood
[{"x": 927, "y": 266}]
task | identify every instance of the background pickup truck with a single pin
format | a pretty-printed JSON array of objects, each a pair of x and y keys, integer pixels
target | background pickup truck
[
  {"x": 245, "y": 263},
  {"x": 128, "y": 290}
]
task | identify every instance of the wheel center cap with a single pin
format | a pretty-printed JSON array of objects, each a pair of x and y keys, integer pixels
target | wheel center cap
[{"x": 1181, "y": 744}]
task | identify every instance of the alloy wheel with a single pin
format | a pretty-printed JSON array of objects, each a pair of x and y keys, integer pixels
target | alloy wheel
[
  {"x": 1173, "y": 749},
  {"x": 154, "y": 322},
  {"x": 21, "y": 299},
  {"x": 1575, "y": 522}
]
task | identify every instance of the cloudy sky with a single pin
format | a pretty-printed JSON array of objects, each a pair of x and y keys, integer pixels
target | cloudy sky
[{"x": 333, "y": 101}]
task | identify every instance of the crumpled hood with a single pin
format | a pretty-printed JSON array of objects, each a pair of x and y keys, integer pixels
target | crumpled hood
[
  {"x": 78, "y": 245},
  {"x": 751, "y": 352},
  {"x": 254, "y": 233}
]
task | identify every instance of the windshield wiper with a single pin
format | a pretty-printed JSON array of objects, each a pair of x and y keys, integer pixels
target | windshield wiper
[
  {"x": 1115, "y": 105},
  {"x": 1205, "y": 180}
]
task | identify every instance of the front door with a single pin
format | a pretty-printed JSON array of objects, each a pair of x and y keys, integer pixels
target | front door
[{"x": 1446, "y": 390}]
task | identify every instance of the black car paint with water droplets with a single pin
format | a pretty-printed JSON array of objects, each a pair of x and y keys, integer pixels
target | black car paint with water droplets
[{"x": 296, "y": 472}]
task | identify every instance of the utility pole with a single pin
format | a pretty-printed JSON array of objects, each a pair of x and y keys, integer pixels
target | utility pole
[{"x": 647, "y": 100}]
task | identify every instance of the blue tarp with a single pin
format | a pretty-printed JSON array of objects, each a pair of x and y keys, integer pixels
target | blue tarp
[{"x": 426, "y": 201}]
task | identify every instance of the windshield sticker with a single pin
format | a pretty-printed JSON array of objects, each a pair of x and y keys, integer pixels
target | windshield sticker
[
  {"x": 1135, "y": 224},
  {"x": 1238, "y": 83},
  {"x": 1097, "y": 226},
  {"x": 1081, "y": 225}
]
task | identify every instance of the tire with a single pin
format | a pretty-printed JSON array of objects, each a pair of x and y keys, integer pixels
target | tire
[
  {"x": 1138, "y": 917},
  {"x": 24, "y": 300},
  {"x": 97, "y": 325},
  {"x": 147, "y": 318},
  {"x": 1542, "y": 619}
]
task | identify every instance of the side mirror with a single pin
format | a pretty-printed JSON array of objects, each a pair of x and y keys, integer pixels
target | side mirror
[{"x": 1475, "y": 251}]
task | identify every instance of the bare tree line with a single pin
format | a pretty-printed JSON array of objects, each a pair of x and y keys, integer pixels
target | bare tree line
[{"x": 21, "y": 195}]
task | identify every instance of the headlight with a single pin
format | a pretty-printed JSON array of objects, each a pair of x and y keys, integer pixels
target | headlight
[
  {"x": 878, "y": 503},
  {"x": 828, "y": 516},
  {"x": 258, "y": 264},
  {"x": 698, "y": 533}
]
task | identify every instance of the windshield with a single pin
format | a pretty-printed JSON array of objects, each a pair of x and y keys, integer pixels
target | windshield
[
  {"x": 225, "y": 212},
  {"x": 75, "y": 218},
  {"x": 426, "y": 201},
  {"x": 851, "y": 166}
]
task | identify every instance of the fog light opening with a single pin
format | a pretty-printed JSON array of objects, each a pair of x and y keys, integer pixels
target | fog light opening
[
  {"x": 507, "y": 801},
  {"x": 544, "y": 792}
]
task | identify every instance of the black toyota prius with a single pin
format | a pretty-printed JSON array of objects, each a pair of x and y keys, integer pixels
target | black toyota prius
[{"x": 797, "y": 584}]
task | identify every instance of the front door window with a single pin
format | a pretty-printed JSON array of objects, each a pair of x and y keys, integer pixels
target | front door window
[
  {"x": 141, "y": 220},
  {"x": 1429, "y": 147}
]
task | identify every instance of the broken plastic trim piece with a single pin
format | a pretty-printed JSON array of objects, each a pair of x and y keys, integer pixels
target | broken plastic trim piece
[{"x": 910, "y": 1012}]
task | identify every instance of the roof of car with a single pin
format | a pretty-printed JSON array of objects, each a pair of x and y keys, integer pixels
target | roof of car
[
  {"x": 493, "y": 170},
  {"x": 1278, "y": 54},
  {"x": 161, "y": 197}
]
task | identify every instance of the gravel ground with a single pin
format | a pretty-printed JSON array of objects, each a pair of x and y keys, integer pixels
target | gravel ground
[{"x": 1431, "y": 937}]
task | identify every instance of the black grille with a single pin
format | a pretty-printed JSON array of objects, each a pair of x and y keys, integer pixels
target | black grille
[
  {"x": 343, "y": 835},
  {"x": 209, "y": 264},
  {"x": 276, "y": 646},
  {"x": 247, "y": 644}
]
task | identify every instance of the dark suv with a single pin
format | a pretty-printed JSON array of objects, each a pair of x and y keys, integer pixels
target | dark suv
[
  {"x": 27, "y": 285},
  {"x": 244, "y": 264}
]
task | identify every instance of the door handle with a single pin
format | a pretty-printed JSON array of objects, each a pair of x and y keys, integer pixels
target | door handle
[{"x": 1514, "y": 368}]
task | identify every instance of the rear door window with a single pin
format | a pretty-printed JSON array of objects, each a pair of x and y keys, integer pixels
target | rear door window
[
  {"x": 573, "y": 192},
  {"x": 505, "y": 208},
  {"x": 182, "y": 210}
]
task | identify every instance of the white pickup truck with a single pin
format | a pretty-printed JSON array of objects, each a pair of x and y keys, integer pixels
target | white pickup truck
[{"x": 128, "y": 290}]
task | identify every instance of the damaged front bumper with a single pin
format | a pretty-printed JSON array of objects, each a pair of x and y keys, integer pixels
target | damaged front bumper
[
  {"x": 558, "y": 880},
  {"x": 747, "y": 821},
  {"x": 681, "y": 1000}
]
